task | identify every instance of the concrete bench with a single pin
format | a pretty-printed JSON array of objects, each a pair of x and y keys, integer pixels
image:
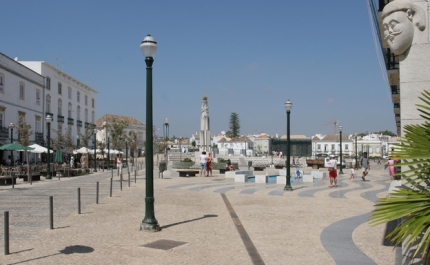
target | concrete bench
[
  {"x": 188, "y": 173},
  {"x": 7, "y": 180},
  {"x": 240, "y": 178},
  {"x": 261, "y": 178},
  {"x": 35, "y": 177},
  {"x": 308, "y": 178},
  {"x": 319, "y": 175}
]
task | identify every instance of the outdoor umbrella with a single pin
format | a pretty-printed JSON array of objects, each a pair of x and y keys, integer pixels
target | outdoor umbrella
[
  {"x": 15, "y": 147},
  {"x": 39, "y": 149},
  {"x": 58, "y": 157}
]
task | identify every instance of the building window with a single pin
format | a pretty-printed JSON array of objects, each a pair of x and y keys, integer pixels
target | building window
[
  {"x": 38, "y": 97},
  {"x": 86, "y": 100},
  {"x": 318, "y": 147},
  {"x": 346, "y": 147},
  {"x": 1, "y": 83},
  {"x": 48, "y": 103},
  {"x": 59, "y": 88},
  {"x": 37, "y": 125},
  {"x": 60, "y": 127},
  {"x": 78, "y": 114},
  {"x": 92, "y": 117},
  {"x": 21, "y": 90},
  {"x": 396, "y": 105},
  {"x": 78, "y": 96},
  {"x": 92, "y": 103},
  {"x": 1, "y": 118},
  {"x": 48, "y": 83},
  {"x": 69, "y": 111},
  {"x": 332, "y": 147},
  {"x": 86, "y": 115},
  {"x": 69, "y": 92},
  {"x": 60, "y": 107}
]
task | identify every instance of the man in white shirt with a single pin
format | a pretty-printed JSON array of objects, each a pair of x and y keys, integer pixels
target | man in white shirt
[
  {"x": 203, "y": 164},
  {"x": 332, "y": 163}
]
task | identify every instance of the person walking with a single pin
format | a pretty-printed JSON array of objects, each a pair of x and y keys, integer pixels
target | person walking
[
  {"x": 365, "y": 166},
  {"x": 119, "y": 164},
  {"x": 332, "y": 163},
  {"x": 390, "y": 164},
  {"x": 203, "y": 164},
  {"x": 352, "y": 174},
  {"x": 72, "y": 161},
  {"x": 209, "y": 165}
]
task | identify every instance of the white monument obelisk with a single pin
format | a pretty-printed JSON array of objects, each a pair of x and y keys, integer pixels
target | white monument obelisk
[{"x": 205, "y": 133}]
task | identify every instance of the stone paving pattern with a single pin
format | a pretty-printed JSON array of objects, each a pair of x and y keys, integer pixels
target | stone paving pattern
[{"x": 314, "y": 224}]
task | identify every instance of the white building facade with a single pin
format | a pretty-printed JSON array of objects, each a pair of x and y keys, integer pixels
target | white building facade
[
  {"x": 71, "y": 103},
  {"x": 21, "y": 92}
]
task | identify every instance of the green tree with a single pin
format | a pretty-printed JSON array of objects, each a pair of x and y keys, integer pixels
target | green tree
[
  {"x": 234, "y": 125},
  {"x": 229, "y": 134},
  {"x": 386, "y": 132},
  {"x": 24, "y": 131},
  {"x": 411, "y": 202},
  {"x": 117, "y": 134},
  {"x": 88, "y": 135}
]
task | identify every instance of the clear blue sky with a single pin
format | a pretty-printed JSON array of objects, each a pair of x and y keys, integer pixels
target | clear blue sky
[{"x": 249, "y": 57}]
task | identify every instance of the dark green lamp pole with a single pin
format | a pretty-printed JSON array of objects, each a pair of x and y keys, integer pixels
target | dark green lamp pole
[
  {"x": 11, "y": 126},
  {"x": 288, "y": 106},
  {"x": 126, "y": 155},
  {"x": 166, "y": 135},
  {"x": 341, "y": 158},
  {"x": 48, "y": 170},
  {"x": 149, "y": 223},
  {"x": 356, "y": 152},
  {"x": 108, "y": 154},
  {"x": 95, "y": 147}
]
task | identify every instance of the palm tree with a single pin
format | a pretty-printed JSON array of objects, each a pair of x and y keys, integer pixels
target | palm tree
[{"x": 411, "y": 202}]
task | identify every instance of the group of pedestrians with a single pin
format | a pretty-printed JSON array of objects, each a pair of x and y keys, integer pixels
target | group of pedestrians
[{"x": 205, "y": 164}]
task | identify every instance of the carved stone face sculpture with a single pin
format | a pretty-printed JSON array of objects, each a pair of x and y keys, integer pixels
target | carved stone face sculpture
[
  {"x": 399, "y": 18},
  {"x": 398, "y": 31}
]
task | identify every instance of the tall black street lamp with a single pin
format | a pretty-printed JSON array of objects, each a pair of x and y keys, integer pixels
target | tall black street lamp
[
  {"x": 149, "y": 223},
  {"x": 356, "y": 151},
  {"x": 126, "y": 155},
  {"x": 11, "y": 127},
  {"x": 288, "y": 106},
  {"x": 166, "y": 134},
  {"x": 108, "y": 154},
  {"x": 341, "y": 157},
  {"x": 48, "y": 170},
  {"x": 95, "y": 147}
]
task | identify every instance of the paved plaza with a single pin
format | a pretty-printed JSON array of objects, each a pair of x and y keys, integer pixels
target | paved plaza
[{"x": 204, "y": 220}]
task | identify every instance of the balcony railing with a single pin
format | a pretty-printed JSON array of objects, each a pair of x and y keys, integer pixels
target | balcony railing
[
  {"x": 78, "y": 123},
  {"x": 49, "y": 113},
  {"x": 60, "y": 119},
  {"x": 86, "y": 125},
  {"x": 395, "y": 90},
  {"x": 70, "y": 121},
  {"x": 4, "y": 132},
  {"x": 391, "y": 60},
  {"x": 38, "y": 137}
]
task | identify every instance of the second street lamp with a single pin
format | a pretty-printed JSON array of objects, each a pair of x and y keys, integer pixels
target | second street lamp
[
  {"x": 95, "y": 147},
  {"x": 341, "y": 158},
  {"x": 11, "y": 126},
  {"x": 356, "y": 152},
  {"x": 288, "y": 106},
  {"x": 48, "y": 170},
  {"x": 166, "y": 135},
  {"x": 149, "y": 223}
]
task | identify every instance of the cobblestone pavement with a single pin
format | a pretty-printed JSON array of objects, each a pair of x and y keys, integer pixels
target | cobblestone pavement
[{"x": 212, "y": 220}]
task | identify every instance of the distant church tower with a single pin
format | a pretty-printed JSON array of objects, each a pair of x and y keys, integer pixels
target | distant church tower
[{"x": 205, "y": 133}]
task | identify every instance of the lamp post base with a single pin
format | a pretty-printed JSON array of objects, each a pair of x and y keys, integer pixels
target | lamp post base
[
  {"x": 150, "y": 227},
  {"x": 288, "y": 185},
  {"x": 48, "y": 177}
]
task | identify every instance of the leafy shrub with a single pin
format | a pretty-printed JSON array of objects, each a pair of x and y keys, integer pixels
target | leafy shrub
[{"x": 187, "y": 160}]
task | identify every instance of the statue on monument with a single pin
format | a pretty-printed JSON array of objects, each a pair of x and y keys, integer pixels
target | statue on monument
[
  {"x": 398, "y": 20},
  {"x": 205, "y": 135}
]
